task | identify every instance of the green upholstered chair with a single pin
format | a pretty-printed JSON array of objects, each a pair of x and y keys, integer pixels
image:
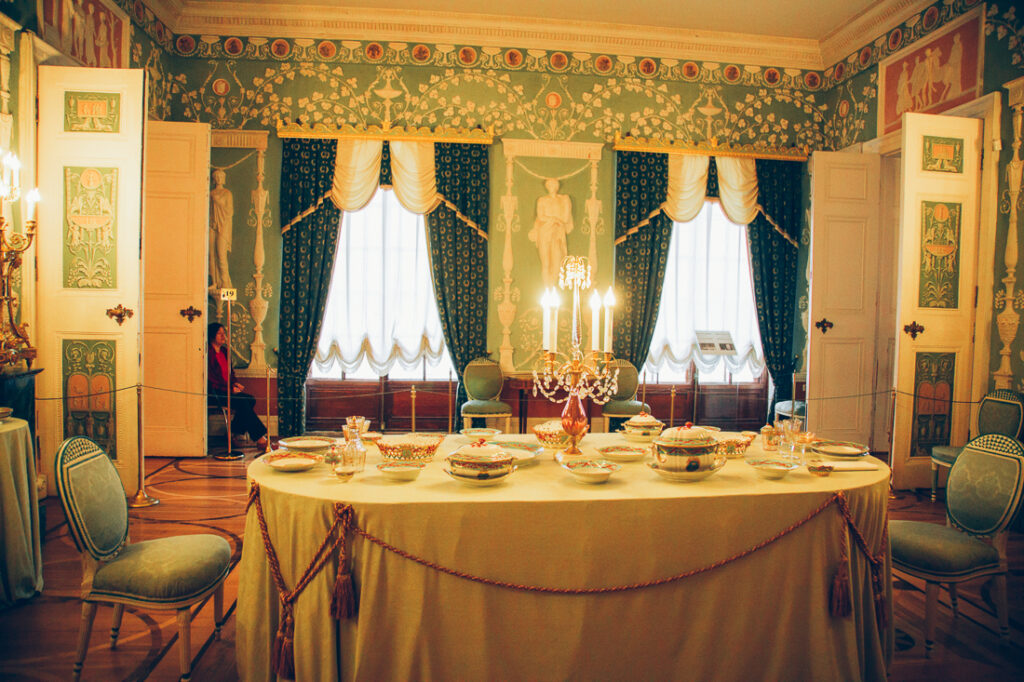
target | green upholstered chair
[
  {"x": 983, "y": 494},
  {"x": 1000, "y": 411},
  {"x": 623, "y": 403},
  {"x": 168, "y": 573},
  {"x": 483, "y": 381}
]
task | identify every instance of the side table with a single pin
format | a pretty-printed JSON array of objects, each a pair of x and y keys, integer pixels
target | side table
[{"x": 21, "y": 557}]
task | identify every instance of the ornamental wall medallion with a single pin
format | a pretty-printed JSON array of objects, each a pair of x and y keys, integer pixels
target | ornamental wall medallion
[
  {"x": 939, "y": 279},
  {"x": 943, "y": 154},
  {"x": 88, "y": 378},
  {"x": 92, "y": 112},
  {"x": 90, "y": 227},
  {"x": 933, "y": 389}
]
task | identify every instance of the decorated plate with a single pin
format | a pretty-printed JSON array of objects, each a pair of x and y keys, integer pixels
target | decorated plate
[
  {"x": 524, "y": 453},
  {"x": 840, "y": 449},
  {"x": 290, "y": 461},
  {"x": 481, "y": 432},
  {"x": 623, "y": 453},
  {"x": 307, "y": 443},
  {"x": 681, "y": 476}
]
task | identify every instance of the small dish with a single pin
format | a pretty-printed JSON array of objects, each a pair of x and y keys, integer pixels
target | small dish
[
  {"x": 5, "y": 413},
  {"x": 523, "y": 453},
  {"x": 772, "y": 468},
  {"x": 681, "y": 476},
  {"x": 400, "y": 471},
  {"x": 820, "y": 469},
  {"x": 591, "y": 471},
  {"x": 840, "y": 449},
  {"x": 623, "y": 453},
  {"x": 310, "y": 444},
  {"x": 290, "y": 461},
  {"x": 371, "y": 437},
  {"x": 482, "y": 432},
  {"x": 478, "y": 481}
]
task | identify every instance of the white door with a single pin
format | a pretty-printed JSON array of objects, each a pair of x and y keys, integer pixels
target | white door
[
  {"x": 89, "y": 174},
  {"x": 844, "y": 258},
  {"x": 174, "y": 284},
  {"x": 937, "y": 294}
]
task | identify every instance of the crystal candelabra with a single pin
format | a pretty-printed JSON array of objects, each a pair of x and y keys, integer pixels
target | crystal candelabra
[
  {"x": 576, "y": 375},
  {"x": 14, "y": 342}
]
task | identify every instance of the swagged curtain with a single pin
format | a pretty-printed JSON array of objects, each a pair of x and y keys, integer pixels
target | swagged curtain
[
  {"x": 307, "y": 254},
  {"x": 653, "y": 191},
  {"x": 425, "y": 180}
]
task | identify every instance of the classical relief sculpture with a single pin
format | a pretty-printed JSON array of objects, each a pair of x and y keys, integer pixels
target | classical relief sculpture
[
  {"x": 222, "y": 212},
  {"x": 550, "y": 227}
]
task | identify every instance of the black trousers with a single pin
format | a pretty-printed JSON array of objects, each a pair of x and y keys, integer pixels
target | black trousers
[{"x": 243, "y": 410}]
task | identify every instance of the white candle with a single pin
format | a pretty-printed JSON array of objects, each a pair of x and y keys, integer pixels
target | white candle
[
  {"x": 15, "y": 172},
  {"x": 595, "y": 321},
  {"x": 554, "y": 320},
  {"x": 545, "y": 321},
  {"x": 31, "y": 199},
  {"x": 609, "y": 303}
]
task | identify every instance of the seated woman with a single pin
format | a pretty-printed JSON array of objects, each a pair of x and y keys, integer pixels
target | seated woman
[{"x": 219, "y": 377}]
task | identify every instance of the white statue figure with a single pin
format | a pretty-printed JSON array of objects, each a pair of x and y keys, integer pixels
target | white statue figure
[
  {"x": 78, "y": 30},
  {"x": 103, "y": 41},
  {"x": 89, "y": 53},
  {"x": 903, "y": 97},
  {"x": 222, "y": 211},
  {"x": 550, "y": 227}
]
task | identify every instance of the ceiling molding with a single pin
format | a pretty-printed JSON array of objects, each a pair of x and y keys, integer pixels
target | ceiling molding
[
  {"x": 277, "y": 20},
  {"x": 167, "y": 11},
  {"x": 863, "y": 29}
]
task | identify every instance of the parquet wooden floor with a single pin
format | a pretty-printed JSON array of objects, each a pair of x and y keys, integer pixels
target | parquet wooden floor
[{"x": 37, "y": 638}]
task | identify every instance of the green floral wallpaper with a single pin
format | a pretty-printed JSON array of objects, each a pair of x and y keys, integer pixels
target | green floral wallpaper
[{"x": 234, "y": 82}]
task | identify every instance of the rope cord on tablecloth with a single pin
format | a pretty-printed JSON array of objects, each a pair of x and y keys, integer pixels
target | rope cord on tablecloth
[{"x": 343, "y": 601}]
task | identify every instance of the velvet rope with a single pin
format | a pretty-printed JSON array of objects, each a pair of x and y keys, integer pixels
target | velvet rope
[{"x": 343, "y": 596}]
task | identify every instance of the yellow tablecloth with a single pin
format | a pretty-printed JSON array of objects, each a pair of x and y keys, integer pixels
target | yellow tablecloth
[
  {"x": 21, "y": 559},
  {"x": 765, "y": 616}
]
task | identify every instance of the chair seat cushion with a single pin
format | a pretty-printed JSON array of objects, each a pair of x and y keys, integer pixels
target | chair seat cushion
[
  {"x": 624, "y": 408},
  {"x": 785, "y": 408},
  {"x": 479, "y": 407},
  {"x": 165, "y": 571},
  {"x": 946, "y": 454},
  {"x": 938, "y": 550}
]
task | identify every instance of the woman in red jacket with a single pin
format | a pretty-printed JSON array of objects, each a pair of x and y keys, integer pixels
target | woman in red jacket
[{"x": 219, "y": 377}]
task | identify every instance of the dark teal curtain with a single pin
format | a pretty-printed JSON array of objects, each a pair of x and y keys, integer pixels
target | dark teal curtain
[
  {"x": 641, "y": 187},
  {"x": 307, "y": 171},
  {"x": 773, "y": 262},
  {"x": 458, "y": 252}
]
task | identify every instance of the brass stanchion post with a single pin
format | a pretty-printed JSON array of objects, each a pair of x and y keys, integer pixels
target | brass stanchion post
[
  {"x": 450, "y": 407},
  {"x": 672, "y": 407},
  {"x": 413, "y": 408},
  {"x": 268, "y": 408},
  {"x": 140, "y": 498}
]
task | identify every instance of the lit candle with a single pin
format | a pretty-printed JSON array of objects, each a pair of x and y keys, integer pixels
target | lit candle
[
  {"x": 31, "y": 199},
  {"x": 595, "y": 321},
  {"x": 545, "y": 335},
  {"x": 554, "y": 320},
  {"x": 15, "y": 163},
  {"x": 609, "y": 303}
]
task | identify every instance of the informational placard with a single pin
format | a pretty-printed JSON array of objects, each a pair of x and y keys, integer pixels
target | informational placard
[
  {"x": 715, "y": 343},
  {"x": 228, "y": 294}
]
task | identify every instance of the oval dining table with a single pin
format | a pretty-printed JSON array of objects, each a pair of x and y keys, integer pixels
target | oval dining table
[{"x": 544, "y": 578}]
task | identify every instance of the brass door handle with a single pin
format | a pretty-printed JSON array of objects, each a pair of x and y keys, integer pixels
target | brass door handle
[
  {"x": 191, "y": 313},
  {"x": 120, "y": 313},
  {"x": 824, "y": 325},
  {"x": 913, "y": 329}
]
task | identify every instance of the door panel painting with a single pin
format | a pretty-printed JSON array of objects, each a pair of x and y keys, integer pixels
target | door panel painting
[
  {"x": 90, "y": 228},
  {"x": 933, "y": 390},
  {"x": 89, "y": 398}
]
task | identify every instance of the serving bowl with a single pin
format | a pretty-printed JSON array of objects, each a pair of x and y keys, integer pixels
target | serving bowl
[
  {"x": 479, "y": 481},
  {"x": 552, "y": 435},
  {"x": 310, "y": 444},
  {"x": 684, "y": 476},
  {"x": 772, "y": 468},
  {"x": 419, "y": 447},
  {"x": 591, "y": 471},
  {"x": 480, "y": 460},
  {"x": 400, "y": 471}
]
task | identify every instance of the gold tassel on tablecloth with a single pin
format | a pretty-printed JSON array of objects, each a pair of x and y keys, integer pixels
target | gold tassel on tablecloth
[
  {"x": 343, "y": 597},
  {"x": 840, "y": 603},
  {"x": 283, "y": 655}
]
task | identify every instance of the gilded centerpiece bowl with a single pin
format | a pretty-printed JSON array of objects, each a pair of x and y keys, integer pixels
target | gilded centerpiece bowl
[
  {"x": 415, "y": 447},
  {"x": 552, "y": 435}
]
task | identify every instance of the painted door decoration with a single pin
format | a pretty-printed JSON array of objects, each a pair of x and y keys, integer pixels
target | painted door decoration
[
  {"x": 938, "y": 268},
  {"x": 90, "y": 177},
  {"x": 943, "y": 154}
]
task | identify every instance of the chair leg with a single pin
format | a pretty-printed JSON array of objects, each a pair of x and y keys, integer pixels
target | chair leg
[
  {"x": 931, "y": 603},
  {"x": 218, "y": 610},
  {"x": 999, "y": 582},
  {"x": 954, "y": 602},
  {"x": 467, "y": 422},
  {"x": 508, "y": 424},
  {"x": 935, "y": 481},
  {"x": 84, "y": 630},
  {"x": 115, "y": 629},
  {"x": 185, "y": 643}
]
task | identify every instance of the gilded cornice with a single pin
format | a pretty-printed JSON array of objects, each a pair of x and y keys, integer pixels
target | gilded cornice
[
  {"x": 629, "y": 143},
  {"x": 385, "y": 132},
  {"x": 867, "y": 26}
]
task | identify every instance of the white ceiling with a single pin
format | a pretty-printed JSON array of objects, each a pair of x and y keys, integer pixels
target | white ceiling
[{"x": 805, "y": 34}]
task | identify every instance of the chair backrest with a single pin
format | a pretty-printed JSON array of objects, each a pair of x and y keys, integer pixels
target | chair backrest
[
  {"x": 92, "y": 496},
  {"x": 629, "y": 379},
  {"x": 1002, "y": 412},
  {"x": 985, "y": 484},
  {"x": 483, "y": 379}
]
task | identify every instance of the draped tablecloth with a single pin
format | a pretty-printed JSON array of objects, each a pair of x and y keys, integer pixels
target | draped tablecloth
[
  {"x": 763, "y": 616},
  {"x": 21, "y": 559}
]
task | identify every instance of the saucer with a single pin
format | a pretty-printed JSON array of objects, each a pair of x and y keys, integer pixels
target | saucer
[
  {"x": 480, "y": 432},
  {"x": 309, "y": 444},
  {"x": 591, "y": 471},
  {"x": 476, "y": 482},
  {"x": 524, "y": 453},
  {"x": 840, "y": 449},
  {"x": 290, "y": 461},
  {"x": 623, "y": 453},
  {"x": 681, "y": 476}
]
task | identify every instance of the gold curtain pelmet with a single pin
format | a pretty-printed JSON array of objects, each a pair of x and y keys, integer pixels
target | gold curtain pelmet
[
  {"x": 319, "y": 131},
  {"x": 658, "y": 146}
]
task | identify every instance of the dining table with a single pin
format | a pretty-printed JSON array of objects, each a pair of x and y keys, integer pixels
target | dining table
[
  {"x": 541, "y": 577},
  {"x": 21, "y": 559}
]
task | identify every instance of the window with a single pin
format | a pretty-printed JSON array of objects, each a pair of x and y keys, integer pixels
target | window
[
  {"x": 381, "y": 315},
  {"x": 708, "y": 287}
]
